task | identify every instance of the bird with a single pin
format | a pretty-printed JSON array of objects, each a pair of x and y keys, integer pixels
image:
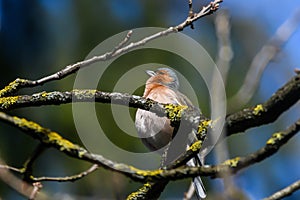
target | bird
[{"x": 156, "y": 132}]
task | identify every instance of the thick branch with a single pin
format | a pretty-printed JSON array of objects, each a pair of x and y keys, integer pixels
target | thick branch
[
  {"x": 154, "y": 189},
  {"x": 257, "y": 115},
  {"x": 233, "y": 165},
  {"x": 175, "y": 113},
  {"x": 53, "y": 139},
  {"x": 267, "y": 112}
]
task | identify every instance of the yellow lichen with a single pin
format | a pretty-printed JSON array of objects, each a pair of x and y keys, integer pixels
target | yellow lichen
[
  {"x": 81, "y": 153},
  {"x": 52, "y": 137},
  {"x": 63, "y": 143},
  {"x": 232, "y": 162},
  {"x": 44, "y": 94},
  {"x": 141, "y": 191},
  {"x": 12, "y": 86},
  {"x": 174, "y": 112},
  {"x": 258, "y": 109},
  {"x": 146, "y": 172},
  {"x": 275, "y": 137},
  {"x": 196, "y": 146},
  {"x": 5, "y": 102},
  {"x": 84, "y": 93},
  {"x": 21, "y": 122},
  {"x": 204, "y": 125}
]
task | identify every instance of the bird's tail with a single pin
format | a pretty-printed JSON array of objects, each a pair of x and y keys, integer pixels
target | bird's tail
[{"x": 200, "y": 190}]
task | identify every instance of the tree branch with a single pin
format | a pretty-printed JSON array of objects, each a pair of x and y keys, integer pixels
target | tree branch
[
  {"x": 267, "y": 112},
  {"x": 152, "y": 190},
  {"x": 233, "y": 165},
  {"x": 261, "y": 60},
  {"x": 119, "y": 50},
  {"x": 27, "y": 169},
  {"x": 53, "y": 139},
  {"x": 67, "y": 178},
  {"x": 285, "y": 192},
  {"x": 240, "y": 121}
]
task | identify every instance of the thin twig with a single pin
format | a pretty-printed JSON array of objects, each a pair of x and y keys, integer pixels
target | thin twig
[
  {"x": 263, "y": 58},
  {"x": 117, "y": 51},
  {"x": 223, "y": 61},
  {"x": 18, "y": 184},
  {"x": 36, "y": 188},
  {"x": 285, "y": 192},
  {"x": 29, "y": 162},
  {"x": 191, "y": 12},
  {"x": 12, "y": 168},
  {"x": 67, "y": 178},
  {"x": 225, "y": 52},
  {"x": 122, "y": 43}
]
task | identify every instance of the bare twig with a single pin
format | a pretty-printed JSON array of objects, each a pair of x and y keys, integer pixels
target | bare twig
[
  {"x": 285, "y": 192},
  {"x": 117, "y": 51},
  {"x": 122, "y": 43},
  {"x": 11, "y": 168},
  {"x": 29, "y": 162},
  {"x": 67, "y": 178},
  {"x": 223, "y": 61},
  {"x": 31, "y": 178},
  {"x": 206, "y": 10},
  {"x": 225, "y": 52},
  {"x": 263, "y": 58},
  {"x": 36, "y": 188},
  {"x": 191, "y": 12},
  {"x": 16, "y": 183},
  {"x": 190, "y": 7}
]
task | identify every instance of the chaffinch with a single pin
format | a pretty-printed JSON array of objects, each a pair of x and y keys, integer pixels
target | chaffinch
[{"x": 156, "y": 132}]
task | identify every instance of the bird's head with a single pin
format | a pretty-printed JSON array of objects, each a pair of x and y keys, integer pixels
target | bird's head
[{"x": 163, "y": 76}]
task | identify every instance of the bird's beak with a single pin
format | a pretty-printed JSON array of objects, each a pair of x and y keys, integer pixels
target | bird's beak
[{"x": 150, "y": 72}]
